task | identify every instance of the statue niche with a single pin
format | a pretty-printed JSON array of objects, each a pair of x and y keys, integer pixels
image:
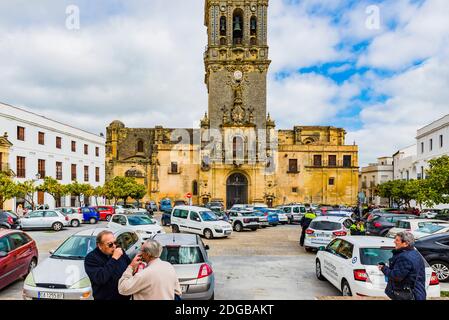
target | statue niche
[{"x": 238, "y": 112}]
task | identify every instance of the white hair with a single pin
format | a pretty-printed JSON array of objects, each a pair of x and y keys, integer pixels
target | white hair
[
  {"x": 152, "y": 248},
  {"x": 406, "y": 237}
]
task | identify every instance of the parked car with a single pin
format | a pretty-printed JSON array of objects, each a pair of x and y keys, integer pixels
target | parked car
[
  {"x": 146, "y": 227},
  {"x": 272, "y": 216},
  {"x": 9, "y": 220},
  {"x": 221, "y": 215},
  {"x": 340, "y": 213},
  {"x": 153, "y": 206},
  {"x": 282, "y": 216},
  {"x": 44, "y": 219},
  {"x": 443, "y": 215},
  {"x": 351, "y": 265},
  {"x": 106, "y": 212},
  {"x": 200, "y": 221},
  {"x": 166, "y": 218},
  {"x": 165, "y": 205},
  {"x": 429, "y": 214},
  {"x": 74, "y": 214},
  {"x": 435, "y": 249},
  {"x": 180, "y": 203},
  {"x": 188, "y": 255},
  {"x": 411, "y": 225},
  {"x": 263, "y": 219},
  {"x": 129, "y": 208},
  {"x": 430, "y": 229},
  {"x": 380, "y": 224},
  {"x": 243, "y": 219},
  {"x": 324, "y": 229},
  {"x": 18, "y": 256},
  {"x": 62, "y": 276},
  {"x": 90, "y": 214},
  {"x": 215, "y": 206},
  {"x": 294, "y": 212}
]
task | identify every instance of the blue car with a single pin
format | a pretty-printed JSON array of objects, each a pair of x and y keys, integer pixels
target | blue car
[
  {"x": 166, "y": 218},
  {"x": 273, "y": 218},
  {"x": 90, "y": 214},
  {"x": 165, "y": 205}
]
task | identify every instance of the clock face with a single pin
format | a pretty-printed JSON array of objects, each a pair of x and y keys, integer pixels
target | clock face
[{"x": 238, "y": 75}]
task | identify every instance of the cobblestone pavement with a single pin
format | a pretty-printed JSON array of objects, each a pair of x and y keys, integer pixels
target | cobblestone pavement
[{"x": 264, "y": 264}]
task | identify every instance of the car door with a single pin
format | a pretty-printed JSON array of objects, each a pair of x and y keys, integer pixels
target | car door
[
  {"x": 7, "y": 263},
  {"x": 117, "y": 222},
  {"x": 329, "y": 265},
  {"x": 21, "y": 251},
  {"x": 129, "y": 242},
  {"x": 343, "y": 260},
  {"x": 195, "y": 223},
  {"x": 182, "y": 216},
  {"x": 49, "y": 218},
  {"x": 33, "y": 220}
]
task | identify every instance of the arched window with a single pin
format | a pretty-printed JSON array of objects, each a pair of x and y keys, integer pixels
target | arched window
[
  {"x": 237, "y": 26},
  {"x": 253, "y": 26},
  {"x": 195, "y": 187},
  {"x": 223, "y": 27},
  {"x": 223, "y": 41},
  {"x": 238, "y": 145},
  {"x": 140, "y": 146}
]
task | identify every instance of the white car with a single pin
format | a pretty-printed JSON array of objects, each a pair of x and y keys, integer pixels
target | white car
[
  {"x": 283, "y": 217},
  {"x": 294, "y": 212},
  {"x": 129, "y": 208},
  {"x": 411, "y": 225},
  {"x": 350, "y": 264},
  {"x": 200, "y": 221},
  {"x": 324, "y": 229},
  {"x": 44, "y": 219},
  {"x": 429, "y": 214},
  {"x": 430, "y": 229},
  {"x": 146, "y": 227},
  {"x": 75, "y": 216}
]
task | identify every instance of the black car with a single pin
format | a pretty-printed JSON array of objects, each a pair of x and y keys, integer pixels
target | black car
[
  {"x": 435, "y": 249},
  {"x": 380, "y": 224},
  {"x": 442, "y": 215},
  {"x": 9, "y": 220}
]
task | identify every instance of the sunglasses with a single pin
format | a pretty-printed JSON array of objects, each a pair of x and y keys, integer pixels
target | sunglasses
[{"x": 111, "y": 244}]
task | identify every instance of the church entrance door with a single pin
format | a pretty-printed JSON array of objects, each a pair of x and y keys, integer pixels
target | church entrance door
[{"x": 236, "y": 190}]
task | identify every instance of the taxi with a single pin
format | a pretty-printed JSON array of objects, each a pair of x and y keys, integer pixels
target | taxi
[
  {"x": 350, "y": 264},
  {"x": 324, "y": 229}
]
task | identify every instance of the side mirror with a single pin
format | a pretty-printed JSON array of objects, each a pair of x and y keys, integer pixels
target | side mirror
[
  {"x": 123, "y": 223},
  {"x": 51, "y": 251},
  {"x": 322, "y": 248},
  {"x": 206, "y": 247},
  {"x": 3, "y": 254}
]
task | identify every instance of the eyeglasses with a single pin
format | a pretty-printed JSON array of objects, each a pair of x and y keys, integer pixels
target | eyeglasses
[{"x": 111, "y": 244}]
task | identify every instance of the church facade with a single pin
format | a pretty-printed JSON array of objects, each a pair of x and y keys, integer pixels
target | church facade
[{"x": 237, "y": 155}]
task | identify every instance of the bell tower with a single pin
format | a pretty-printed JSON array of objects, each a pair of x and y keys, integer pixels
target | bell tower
[{"x": 236, "y": 62}]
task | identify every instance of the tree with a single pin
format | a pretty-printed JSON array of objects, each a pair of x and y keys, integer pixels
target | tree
[
  {"x": 438, "y": 180},
  {"x": 124, "y": 188},
  {"x": 98, "y": 192},
  {"x": 77, "y": 189},
  {"x": 138, "y": 192},
  {"x": 26, "y": 191},
  {"x": 8, "y": 189},
  {"x": 54, "y": 188}
]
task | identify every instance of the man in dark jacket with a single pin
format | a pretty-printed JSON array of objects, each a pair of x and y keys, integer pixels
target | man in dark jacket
[
  {"x": 406, "y": 269},
  {"x": 105, "y": 266},
  {"x": 305, "y": 223}
]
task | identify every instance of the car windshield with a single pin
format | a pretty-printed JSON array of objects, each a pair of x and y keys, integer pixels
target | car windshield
[
  {"x": 165, "y": 202},
  {"x": 208, "y": 216},
  {"x": 75, "y": 247},
  {"x": 373, "y": 256},
  {"x": 325, "y": 225},
  {"x": 247, "y": 214},
  {"x": 140, "y": 220},
  {"x": 182, "y": 255},
  {"x": 431, "y": 228}
]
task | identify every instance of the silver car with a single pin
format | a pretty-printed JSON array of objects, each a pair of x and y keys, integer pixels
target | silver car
[
  {"x": 188, "y": 254},
  {"x": 62, "y": 275},
  {"x": 44, "y": 219}
]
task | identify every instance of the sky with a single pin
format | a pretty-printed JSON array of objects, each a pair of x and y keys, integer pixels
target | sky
[{"x": 379, "y": 68}]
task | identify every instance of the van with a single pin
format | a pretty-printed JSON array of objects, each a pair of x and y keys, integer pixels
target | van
[{"x": 198, "y": 220}]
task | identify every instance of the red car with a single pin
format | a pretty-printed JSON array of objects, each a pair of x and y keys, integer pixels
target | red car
[
  {"x": 106, "y": 212},
  {"x": 18, "y": 256}
]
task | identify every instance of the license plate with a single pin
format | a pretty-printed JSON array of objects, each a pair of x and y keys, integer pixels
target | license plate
[
  {"x": 228, "y": 232},
  {"x": 50, "y": 295},
  {"x": 322, "y": 235},
  {"x": 184, "y": 289}
]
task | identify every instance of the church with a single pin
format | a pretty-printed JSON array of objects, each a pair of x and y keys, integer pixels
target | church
[{"x": 236, "y": 155}]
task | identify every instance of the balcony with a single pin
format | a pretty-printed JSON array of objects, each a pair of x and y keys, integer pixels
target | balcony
[{"x": 325, "y": 164}]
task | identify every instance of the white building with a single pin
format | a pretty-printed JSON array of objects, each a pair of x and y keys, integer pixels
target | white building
[
  {"x": 373, "y": 175},
  {"x": 404, "y": 163},
  {"x": 432, "y": 141},
  {"x": 44, "y": 147}
]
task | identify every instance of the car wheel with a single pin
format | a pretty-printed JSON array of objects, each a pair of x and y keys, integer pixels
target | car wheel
[
  {"x": 308, "y": 249},
  {"x": 3, "y": 227},
  {"x": 318, "y": 273},
  {"x": 75, "y": 223},
  {"x": 208, "y": 234},
  {"x": 254, "y": 229},
  {"x": 92, "y": 221},
  {"x": 31, "y": 266},
  {"x": 346, "y": 289},
  {"x": 213, "y": 296},
  {"x": 441, "y": 268},
  {"x": 175, "y": 229},
  {"x": 108, "y": 218},
  {"x": 238, "y": 227},
  {"x": 57, "y": 226}
]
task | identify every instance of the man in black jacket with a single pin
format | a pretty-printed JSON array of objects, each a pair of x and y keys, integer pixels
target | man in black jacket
[{"x": 105, "y": 266}]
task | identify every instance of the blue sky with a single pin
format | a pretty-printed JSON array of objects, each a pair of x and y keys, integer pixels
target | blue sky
[{"x": 140, "y": 61}]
